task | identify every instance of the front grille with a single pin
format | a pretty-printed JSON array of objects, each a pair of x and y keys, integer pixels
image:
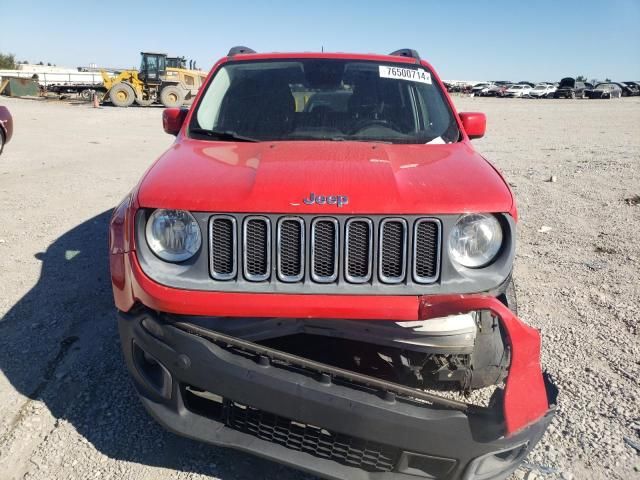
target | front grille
[
  {"x": 358, "y": 251},
  {"x": 344, "y": 449}
]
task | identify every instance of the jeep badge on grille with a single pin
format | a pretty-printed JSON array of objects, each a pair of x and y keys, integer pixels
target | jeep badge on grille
[{"x": 339, "y": 200}]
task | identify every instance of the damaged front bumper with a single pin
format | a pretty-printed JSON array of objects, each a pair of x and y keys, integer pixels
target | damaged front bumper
[{"x": 333, "y": 422}]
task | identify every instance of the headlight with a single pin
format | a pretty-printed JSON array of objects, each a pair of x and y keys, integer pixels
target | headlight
[
  {"x": 475, "y": 240},
  {"x": 173, "y": 235}
]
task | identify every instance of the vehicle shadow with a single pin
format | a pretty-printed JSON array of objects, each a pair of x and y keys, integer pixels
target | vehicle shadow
[{"x": 59, "y": 344}]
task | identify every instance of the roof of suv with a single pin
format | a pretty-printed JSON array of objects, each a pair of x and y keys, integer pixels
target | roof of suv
[{"x": 350, "y": 56}]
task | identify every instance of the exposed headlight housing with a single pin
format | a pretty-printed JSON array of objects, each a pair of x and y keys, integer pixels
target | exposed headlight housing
[
  {"x": 173, "y": 235},
  {"x": 475, "y": 240}
]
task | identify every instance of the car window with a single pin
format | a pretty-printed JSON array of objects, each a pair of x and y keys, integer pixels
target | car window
[{"x": 325, "y": 99}]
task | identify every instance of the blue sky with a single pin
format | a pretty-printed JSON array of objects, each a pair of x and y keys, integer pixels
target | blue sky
[{"x": 476, "y": 40}]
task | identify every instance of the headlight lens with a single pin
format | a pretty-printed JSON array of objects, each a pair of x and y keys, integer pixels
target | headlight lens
[
  {"x": 475, "y": 240},
  {"x": 173, "y": 235}
]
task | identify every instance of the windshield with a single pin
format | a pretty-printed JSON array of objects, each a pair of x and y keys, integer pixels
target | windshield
[
  {"x": 540, "y": 87},
  {"x": 324, "y": 99},
  {"x": 605, "y": 86}
]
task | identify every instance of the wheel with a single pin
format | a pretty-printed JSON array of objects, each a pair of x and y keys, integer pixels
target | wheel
[
  {"x": 144, "y": 102},
  {"x": 122, "y": 95},
  {"x": 573, "y": 94},
  {"x": 172, "y": 96},
  {"x": 86, "y": 94},
  {"x": 1, "y": 141}
]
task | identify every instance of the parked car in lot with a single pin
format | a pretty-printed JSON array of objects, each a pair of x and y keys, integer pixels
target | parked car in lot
[
  {"x": 634, "y": 86},
  {"x": 502, "y": 89},
  {"x": 481, "y": 89},
  {"x": 497, "y": 87},
  {"x": 519, "y": 90},
  {"x": 627, "y": 90},
  {"x": 6, "y": 127},
  {"x": 300, "y": 283},
  {"x": 606, "y": 90},
  {"x": 542, "y": 90},
  {"x": 570, "y": 88},
  {"x": 588, "y": 88}
]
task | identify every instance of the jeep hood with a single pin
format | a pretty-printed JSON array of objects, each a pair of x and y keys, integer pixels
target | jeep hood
[{"x": 275, "y": 177}]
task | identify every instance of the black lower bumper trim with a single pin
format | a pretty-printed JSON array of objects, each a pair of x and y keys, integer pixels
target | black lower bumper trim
[
  {"x": 328, "y": 428},
  {"x": 301, "y": 437}
]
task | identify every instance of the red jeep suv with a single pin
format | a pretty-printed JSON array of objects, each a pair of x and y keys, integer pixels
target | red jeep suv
[{"x": 318, "y": 271}]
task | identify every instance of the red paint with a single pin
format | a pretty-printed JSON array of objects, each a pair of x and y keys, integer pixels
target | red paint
[
  {"x": 173, "y": 119},
  {"x": 474, "y": 124},
  {"x": 525, "y": 396},
  {"x": 275, "y": 177}
]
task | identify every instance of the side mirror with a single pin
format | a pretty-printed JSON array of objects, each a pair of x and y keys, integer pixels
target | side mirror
[
  {"x": 172, "y": 119},
  {"x": 474, "y": 124}
]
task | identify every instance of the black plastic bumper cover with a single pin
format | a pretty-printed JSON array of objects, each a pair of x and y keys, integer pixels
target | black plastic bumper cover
[{"x": 431, "y": 441}]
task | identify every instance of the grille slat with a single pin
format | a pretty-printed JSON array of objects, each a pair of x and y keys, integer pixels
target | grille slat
[
  {"x": 257, "y": 248},
  {"x": 373, "y": 250},
  {"x": 324, "y": 250},
  {"x": 358, "y": 250},
  {"x": 291, "y": 249},
  {"x": 425, "y": 251},
  {"x": 393, "y": 250},
  {"x": 223, "y": 243}
]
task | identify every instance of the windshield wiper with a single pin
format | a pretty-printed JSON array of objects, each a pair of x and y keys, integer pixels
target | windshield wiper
[{"x": 222, "y": 135}]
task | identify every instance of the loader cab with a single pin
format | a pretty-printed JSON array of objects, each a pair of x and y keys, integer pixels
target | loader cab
[
  {"x": 153, "y": 67},
  {"x": 177, "y": 62}
]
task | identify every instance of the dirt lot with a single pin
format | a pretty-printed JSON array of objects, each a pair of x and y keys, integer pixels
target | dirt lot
[{"x": 67, "y": 409}]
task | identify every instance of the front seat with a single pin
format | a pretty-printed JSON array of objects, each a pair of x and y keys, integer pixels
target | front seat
[{"x": 258, "y": 107}]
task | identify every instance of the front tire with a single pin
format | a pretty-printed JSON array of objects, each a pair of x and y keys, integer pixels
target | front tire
[
  {"x": 122, "y": 95},
  {"x": 172, "y": 96}
]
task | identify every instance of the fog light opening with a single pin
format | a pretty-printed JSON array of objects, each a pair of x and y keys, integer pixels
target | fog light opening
[
  {"x": 153, "y": 373},
  {"x": 496, "y": 463},
  {"x": 426, "y": 466}
]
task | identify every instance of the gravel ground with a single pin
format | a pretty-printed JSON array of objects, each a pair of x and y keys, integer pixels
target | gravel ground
[{"x": 67, "y": 409}]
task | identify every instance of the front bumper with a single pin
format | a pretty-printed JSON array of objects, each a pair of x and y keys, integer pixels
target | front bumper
[{"x": 324, "y": 421}]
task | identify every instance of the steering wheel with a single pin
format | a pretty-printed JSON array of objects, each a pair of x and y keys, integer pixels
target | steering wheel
[{"x": 370, "y": 122}]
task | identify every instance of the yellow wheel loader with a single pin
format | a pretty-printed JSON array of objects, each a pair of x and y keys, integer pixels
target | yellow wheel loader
[{"x": 154, "y": 82}]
